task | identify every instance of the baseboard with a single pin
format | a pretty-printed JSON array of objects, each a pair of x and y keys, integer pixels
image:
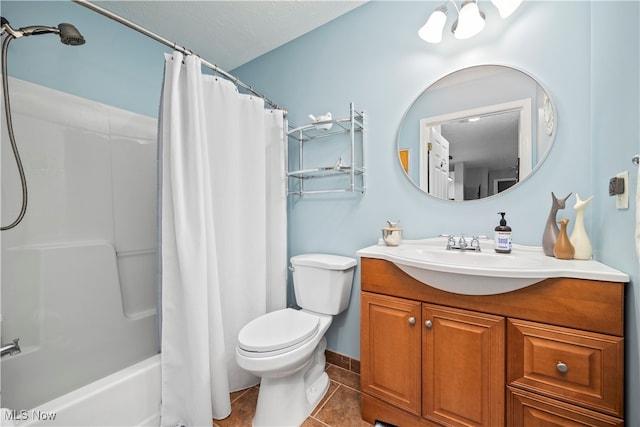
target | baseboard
[{"x": 342, "y": 361}]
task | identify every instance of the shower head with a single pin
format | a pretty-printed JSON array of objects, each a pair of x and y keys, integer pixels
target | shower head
[{"x": 69, "y": 34}]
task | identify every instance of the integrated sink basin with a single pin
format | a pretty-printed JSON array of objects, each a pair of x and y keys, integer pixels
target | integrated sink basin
[
  {"x": 485, "y": 272},
  {"x": 469, "y": 259}
]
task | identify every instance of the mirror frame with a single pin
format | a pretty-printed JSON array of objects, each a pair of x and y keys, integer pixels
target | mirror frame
[{"x": 547, "y": 122}]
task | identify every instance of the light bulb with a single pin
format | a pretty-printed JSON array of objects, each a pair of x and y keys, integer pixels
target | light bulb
[
  {"x": 506, "y": 7},
  {"x": 431, "y": 31},
  {"x": 470, "y": 21}
]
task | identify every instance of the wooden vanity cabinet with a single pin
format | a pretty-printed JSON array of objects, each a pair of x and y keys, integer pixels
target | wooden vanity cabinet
[{"x": 550, "y": 354}]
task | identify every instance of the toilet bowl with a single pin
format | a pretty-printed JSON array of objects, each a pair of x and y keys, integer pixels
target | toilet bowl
[{"x": 285, "y": 348}]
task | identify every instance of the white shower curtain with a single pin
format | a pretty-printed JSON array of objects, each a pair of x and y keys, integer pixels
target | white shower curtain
[{"x": 223, "y": 235}]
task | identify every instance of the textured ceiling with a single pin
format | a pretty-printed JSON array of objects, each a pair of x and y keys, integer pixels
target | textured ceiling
[{"x": 230, "y": 33}]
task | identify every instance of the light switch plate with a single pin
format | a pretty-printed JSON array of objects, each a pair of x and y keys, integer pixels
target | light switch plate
[{"x": 622, "y": 200}]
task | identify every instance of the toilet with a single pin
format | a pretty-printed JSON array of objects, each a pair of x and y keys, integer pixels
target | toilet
[{"x": 285, "y": 348}]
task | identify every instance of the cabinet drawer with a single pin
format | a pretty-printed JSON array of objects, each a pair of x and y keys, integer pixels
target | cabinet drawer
[
  {"x": 528, "y": 409},
  {"x": 578, "y": 367}
]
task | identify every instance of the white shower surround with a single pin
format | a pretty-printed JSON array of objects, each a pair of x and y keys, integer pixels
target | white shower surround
[{"x": 78, "y": 274}]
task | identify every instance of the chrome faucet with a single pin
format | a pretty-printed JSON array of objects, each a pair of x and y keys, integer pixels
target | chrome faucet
[
  {"x": 462, "y": 244},
  {"x": 10, "y": 349},
  {"x": 451, "y": 241},
  {"x": 475, "y": 244}
]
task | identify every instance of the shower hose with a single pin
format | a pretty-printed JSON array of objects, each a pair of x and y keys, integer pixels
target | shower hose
[{"x": 12, "y": 139}]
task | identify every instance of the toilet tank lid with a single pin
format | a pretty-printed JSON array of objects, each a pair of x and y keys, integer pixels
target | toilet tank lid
[{"x": 326, "y": 261}]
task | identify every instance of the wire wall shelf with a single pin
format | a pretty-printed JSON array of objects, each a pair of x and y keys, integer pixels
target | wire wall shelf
[{"x": 343, "y": 176}]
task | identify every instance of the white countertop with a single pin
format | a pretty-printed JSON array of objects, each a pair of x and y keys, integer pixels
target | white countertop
[{"x": 485, "y": 272}]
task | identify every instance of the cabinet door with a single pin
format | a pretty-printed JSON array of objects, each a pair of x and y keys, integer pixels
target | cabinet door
[
  {"x": 463, "y": 367},
  {"x": 390, "y": 350}
]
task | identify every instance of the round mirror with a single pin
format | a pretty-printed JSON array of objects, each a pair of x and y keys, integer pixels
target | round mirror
[{"x": 476, "y": 132}]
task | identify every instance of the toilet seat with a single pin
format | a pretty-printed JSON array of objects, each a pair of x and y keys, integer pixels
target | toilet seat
[{"x": 277, "y": 332}]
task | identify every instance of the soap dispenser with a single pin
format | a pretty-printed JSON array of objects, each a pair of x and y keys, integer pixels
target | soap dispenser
[{"x": 502, "y": 237}]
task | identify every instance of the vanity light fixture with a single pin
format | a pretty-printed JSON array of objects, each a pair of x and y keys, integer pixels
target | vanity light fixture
[
  {"x": 431, "y": 31},
  {"x": 506, "y": 7},
  {"x": 470, "y": 19}
]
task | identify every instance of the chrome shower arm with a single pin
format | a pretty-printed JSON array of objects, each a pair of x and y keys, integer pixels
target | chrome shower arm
[
  {"x": 35, "y": 30},
  {"x": 7, "y": 28},
  {"x": 26, "y": 31}
]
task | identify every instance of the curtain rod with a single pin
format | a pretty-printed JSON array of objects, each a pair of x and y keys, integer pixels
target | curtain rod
[{"x": 172, "y": 45}]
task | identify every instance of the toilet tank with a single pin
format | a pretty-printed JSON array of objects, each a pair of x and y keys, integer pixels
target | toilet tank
[{"x": 322, "y": 282}]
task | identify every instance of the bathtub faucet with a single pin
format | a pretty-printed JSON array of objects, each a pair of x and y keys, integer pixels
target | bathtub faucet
[{"x": 10, "y": 349}]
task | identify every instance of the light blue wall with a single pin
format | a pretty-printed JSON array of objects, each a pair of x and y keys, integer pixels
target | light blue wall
[
  {"x": 584, "y": 53},
  {"x": 116, "y": 66},
  {"x": 374, "y": 58},
  {"x": 615, "y": 137}
]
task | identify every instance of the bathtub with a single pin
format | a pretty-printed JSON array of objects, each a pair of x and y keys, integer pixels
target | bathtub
[{"x": 130, "y": 397}]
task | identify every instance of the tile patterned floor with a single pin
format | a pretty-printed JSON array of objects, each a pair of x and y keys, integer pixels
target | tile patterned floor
[{"x": 339, "y": 408}]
